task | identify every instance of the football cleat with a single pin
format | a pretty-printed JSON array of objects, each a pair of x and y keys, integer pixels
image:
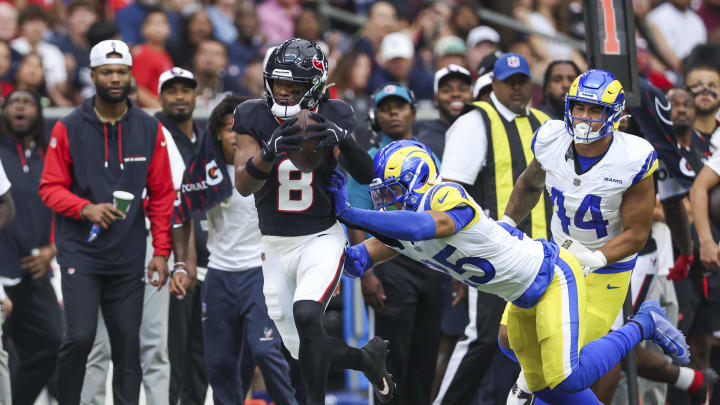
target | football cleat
[
  {"x": 520, "y": 394},
  {"x": 651, "y": 316},
  {"x": 383, "y": 385}
]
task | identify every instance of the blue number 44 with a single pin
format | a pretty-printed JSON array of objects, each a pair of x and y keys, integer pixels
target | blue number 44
[{"x": 590, "y": 203}]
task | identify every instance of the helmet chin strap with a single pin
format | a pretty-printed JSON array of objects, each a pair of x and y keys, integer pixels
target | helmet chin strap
[{"x": 582, "y": 133}]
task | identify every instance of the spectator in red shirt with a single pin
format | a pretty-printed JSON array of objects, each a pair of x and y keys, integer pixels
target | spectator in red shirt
[
  {"x": 709, "y": 13},
  {"x": 153, "y": 57},
  {"x": 5, "y": 60}
]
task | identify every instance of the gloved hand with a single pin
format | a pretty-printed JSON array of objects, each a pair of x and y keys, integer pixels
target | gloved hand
[
  {"x": 283, "y": 139},
  {"x": 327, "y": 131},
  {"x": 357, "y": 260},
  {"x": 681, "y": 268},
  {"x": 589, "y": 260},
  {"x": 337, "y": 188}
]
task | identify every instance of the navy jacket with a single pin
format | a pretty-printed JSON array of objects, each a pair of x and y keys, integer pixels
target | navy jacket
[
  {"x": 31, "y": 227},
  {"x": 86, "y": 161}
]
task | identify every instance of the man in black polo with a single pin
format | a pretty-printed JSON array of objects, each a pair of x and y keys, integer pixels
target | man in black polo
[{"x": 188, "y": 378}]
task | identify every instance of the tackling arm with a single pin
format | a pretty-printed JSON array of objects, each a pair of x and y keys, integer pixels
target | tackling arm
[
  {"x": 636, "y": 211},
  {"x": 526, "y": 193}
]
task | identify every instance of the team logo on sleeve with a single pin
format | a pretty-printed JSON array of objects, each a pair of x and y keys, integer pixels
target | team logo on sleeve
[{"x": 213, "y": 175}]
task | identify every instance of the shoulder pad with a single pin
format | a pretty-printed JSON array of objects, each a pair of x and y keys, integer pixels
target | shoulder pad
[
  {"x": 446, "y": 196},
  {"x": 339, "y": 112},
  {"x": 248, "y": 115}
]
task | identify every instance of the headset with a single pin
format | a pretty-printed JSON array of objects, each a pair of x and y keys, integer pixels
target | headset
[{"x": 372, "y": 112}]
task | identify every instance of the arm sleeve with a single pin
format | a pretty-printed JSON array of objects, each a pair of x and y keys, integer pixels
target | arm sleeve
[
  {"x": 161, "y": 195},
  {"x": 357, "y": 162},
  {"x": 401, "y": 224},
  {"x": 4, "y": 182},
  {"x": 462, "y": 216},
  {"x": 57, "y": 176},
  {"x": 465, "y": 149}
]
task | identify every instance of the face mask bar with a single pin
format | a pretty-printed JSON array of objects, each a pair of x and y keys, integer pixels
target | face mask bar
[{"x": 383, "y": 196}]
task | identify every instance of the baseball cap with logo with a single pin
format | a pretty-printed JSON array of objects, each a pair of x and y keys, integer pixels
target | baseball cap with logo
[
  {"x": 509, "y": 64},
  {"x": 451, "y": 70},
  {"x": 176, "y": 74},
  {"x": 396, "y": 45},
  {"x": 107, "y": 52},
  {"x": 392, "y": 90}
]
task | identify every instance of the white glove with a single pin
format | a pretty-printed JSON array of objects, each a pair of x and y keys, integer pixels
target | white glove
[
  {"x": 508, "y": 221},
  {"x": 589, "y": 260}
]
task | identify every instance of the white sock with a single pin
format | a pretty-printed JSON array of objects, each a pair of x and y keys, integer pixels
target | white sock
[{"x": 522, "y": 384}]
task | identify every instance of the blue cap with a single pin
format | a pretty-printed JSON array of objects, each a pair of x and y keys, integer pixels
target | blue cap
[
  {"x": 392, "y": 90},
  {"x": 509, "y": 64}
]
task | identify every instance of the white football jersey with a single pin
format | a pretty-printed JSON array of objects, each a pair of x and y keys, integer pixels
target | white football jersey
[
  {"x": 483, "y": 254},
  {"x": 586, "y": 207}
]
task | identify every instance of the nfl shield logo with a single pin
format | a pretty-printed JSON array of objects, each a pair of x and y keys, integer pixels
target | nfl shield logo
[
  {"x": 390, "y": 88},
  {"x": 513, "y": 61},
  {"x": 576, "y": 182}
]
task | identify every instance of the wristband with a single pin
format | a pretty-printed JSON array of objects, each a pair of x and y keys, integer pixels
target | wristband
[
  {"x": 180, "y": 264},
  {"x": 509, "y": 221},
  {"x": 254, "y": 172},
  {"x": 178, "y": 270}
]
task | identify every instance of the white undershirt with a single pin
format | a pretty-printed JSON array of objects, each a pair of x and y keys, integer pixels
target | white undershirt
[
  {"x": 4, "y": 181},
  {"x": 466, "y": 144},
  {"x": 234, "y": 239}
]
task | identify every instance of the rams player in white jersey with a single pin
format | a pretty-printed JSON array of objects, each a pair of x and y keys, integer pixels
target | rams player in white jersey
[
  {"x": 440, "y": 225},
  {"x": 600, "y": 183}
]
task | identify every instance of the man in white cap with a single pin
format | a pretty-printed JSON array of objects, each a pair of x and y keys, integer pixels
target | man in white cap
[
  {"x": 397, "y": 65},
  {"x": 452, "y": 87},
  {"x": 105, "y": 145},
  {"x": 481, "y": 42}
]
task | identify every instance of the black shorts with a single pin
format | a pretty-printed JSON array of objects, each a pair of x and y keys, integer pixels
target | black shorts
[{"x": 699, "y": 303}]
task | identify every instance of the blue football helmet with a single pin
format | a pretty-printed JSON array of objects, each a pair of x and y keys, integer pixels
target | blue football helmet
[
  {"x": 598, "y": 87},
  {"x": 407, "y": 164}
]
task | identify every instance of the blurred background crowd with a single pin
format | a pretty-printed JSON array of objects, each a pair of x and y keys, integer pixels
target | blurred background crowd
[{"x": 44, "y": 44}]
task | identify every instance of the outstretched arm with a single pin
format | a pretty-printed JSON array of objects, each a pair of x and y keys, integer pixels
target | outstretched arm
[
  {"x": 526, "y": 193},
  {"x": 363, "y": 256}
]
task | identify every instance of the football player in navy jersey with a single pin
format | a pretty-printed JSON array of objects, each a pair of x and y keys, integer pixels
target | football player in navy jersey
[{"x": 303, "y": 244}]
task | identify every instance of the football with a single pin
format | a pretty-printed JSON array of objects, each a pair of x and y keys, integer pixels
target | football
[
  {"x": 714, "y": 206},
  {"x": 306, "y": 160}
]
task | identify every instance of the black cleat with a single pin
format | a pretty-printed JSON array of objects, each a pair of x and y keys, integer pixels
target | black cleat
[{"x": 376, "y": 350}]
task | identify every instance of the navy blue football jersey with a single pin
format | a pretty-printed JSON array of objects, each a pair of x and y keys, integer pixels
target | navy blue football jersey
[{"x": 292, "y": 203}]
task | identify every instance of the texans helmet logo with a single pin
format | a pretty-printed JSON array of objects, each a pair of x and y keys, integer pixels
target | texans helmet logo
[{"x": 318, "y": 64}]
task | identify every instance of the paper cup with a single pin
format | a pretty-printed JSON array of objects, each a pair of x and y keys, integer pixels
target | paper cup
[{"x": 122, "y": 200}]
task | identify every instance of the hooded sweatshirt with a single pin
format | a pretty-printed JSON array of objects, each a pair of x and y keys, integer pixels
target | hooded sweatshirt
[{"x": 86, "y": 161}]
